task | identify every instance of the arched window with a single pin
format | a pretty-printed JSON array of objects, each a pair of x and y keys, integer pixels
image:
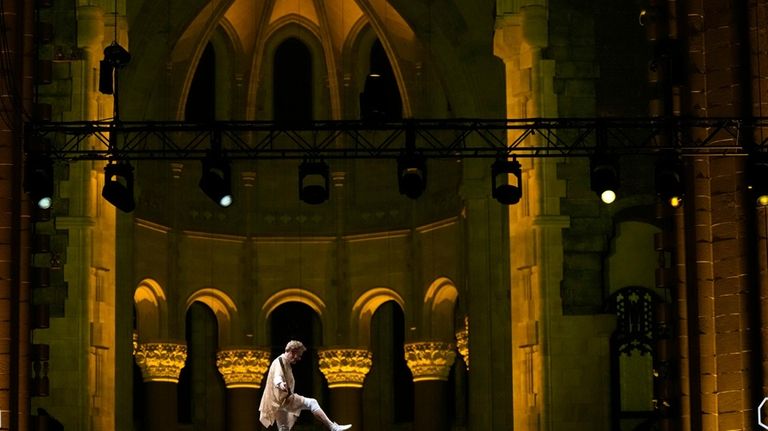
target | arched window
[
  {"x": 292, "y": 95},
  {"x": 380, "y": 99},
  {"x": 201, "y": 99}
]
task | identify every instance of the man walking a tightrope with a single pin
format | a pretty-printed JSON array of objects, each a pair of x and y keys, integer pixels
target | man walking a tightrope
[{"x": 279, "y": 403}]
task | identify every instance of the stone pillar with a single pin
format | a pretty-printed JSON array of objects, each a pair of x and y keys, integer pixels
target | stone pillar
[
  {"x": 430, "y": 362},
  {"x": 243, "y": 370},
  {"x": 345, "y": 371},
  {"x": 160, "y": 365}
]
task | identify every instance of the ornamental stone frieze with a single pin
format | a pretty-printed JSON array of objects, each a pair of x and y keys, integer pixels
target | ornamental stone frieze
[
  {"x": 161, "y": 362},
  {"x": 462, "y": 341},
  {"x": 345, "y": 367},
  {"x": 430, "y": 360},
  {"x": 242, "y": 368}
]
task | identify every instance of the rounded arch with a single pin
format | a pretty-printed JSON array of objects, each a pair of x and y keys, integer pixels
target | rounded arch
[
  {"x": 365, "y": 306},
  {"x": 439, "y": 305},
  {"x": 290, "y": 295},
  {"x": 260, "y": 84},
  {"x": 222, "y": 306},
  {"x": 151, "y": 310}
]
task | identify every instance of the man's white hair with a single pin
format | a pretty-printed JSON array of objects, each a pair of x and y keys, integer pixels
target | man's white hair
[{"x": 295, "y": 346}]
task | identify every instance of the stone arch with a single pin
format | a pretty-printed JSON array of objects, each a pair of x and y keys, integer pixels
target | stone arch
[
  {"x": 362, "y": 312},
  {"x": 222, "y": 306},
  {"x": 456, "y": 59},
  {"x": 151, "y": 311},
  {"x": 289, "y": 295},
  {"x": 260, "y": 85},
  {"x": 438, "y": 312},
  {"x": 355, "y": 53},
  {"x": 169, "y": 59},
  {"x": 227, "y": 50}
]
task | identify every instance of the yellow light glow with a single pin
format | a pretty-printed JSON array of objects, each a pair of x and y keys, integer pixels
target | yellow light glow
[
  {"x": 762, "y": 200},
  {"x": 608, "y": 196},
  {"x": 675, "y": 201}
]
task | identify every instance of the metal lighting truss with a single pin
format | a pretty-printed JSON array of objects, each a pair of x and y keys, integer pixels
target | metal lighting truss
[{"x": 441, "y": 138}]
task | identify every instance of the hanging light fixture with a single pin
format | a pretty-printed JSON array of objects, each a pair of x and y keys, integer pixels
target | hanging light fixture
[
  {"x": 506, "y": 181},
  {"x": 411, "y": 166},
  {"x": 604, "y": 177},
  {"x": 38, "y": 180},
  {"x": 411, "y": 174},
  {"x": 757, "y": 177},
  {"x": 313, "y": 182},
  {"x": 215, "y": 180},
  {"x": 118, "y": 186},
  {"x": 669, "y": 178}
]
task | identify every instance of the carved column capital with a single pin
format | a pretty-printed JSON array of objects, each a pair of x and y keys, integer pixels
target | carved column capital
[
  {"x": 161, "y": 362},
  {"x": 462, "y": 341},
  {"x": 430, "y": 360},
  {"x": 345, "y": 367},
  {"x": 242, "y": 368}
]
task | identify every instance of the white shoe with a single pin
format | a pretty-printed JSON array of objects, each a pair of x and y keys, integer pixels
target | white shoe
[{"x": 337, "y": 427}]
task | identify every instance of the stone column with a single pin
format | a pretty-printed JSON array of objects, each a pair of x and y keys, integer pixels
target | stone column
[
  {"x": 345, "y": 371},
  {"x": 430, "y": 362},
  {"x": 243, "y": 370},
  {"x": 160, "y": 365}
]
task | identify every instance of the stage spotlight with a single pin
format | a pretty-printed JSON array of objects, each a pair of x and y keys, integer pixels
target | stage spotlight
[
  {"x": 313, "y": 182},
  {"x": 604, "y": 177},
  {"x": 118, "y": 186},
  {"x": 669, "y": 179},
  {"x": 411, "y": 174},
  {"x": 757, "y": 177},
  {"x": 115, "y": 57},
  {"x": 506, "y": 179},
  {"x": 38, "y": 181},
  {"x": 216, "y": 181}
]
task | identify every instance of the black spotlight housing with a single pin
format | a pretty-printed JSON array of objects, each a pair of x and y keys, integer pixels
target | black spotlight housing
[
  {"x": 118, "y": 186},
  {"x": 411, "y": 174},
  {"x": 670, "y": 187},
  {"x": 604, "y": 177},
  {"x": 216, "y": 180},
  {"x": 115, "y": 57},
  {"x": 506, "y": 181},
  {"x": 313, "y": 182},
  {"x": 757, "y": 177},
  {"x": 38, "y": 180}
]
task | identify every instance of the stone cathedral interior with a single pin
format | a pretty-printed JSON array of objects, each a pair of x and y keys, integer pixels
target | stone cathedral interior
[{"x": 134, "y": 299}]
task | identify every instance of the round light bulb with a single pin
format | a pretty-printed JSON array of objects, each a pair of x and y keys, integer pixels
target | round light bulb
[
  {"x": 608, "y": 196},
  {"x": 675, "y": 201},
  {"x": 762, "y": 200},
  {"x": 225, "y": 201},
  {"x": 44, "y": 203}
]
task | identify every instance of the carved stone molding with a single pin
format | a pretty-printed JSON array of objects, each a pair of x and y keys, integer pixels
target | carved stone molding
[
  {"x": 430, "y": 360},
  {"x": 161, "y": 362},
  {"x": 345, "y": 367},
  {"x": 462, "y": 341},
  {"x": 242, "y": 368}
]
